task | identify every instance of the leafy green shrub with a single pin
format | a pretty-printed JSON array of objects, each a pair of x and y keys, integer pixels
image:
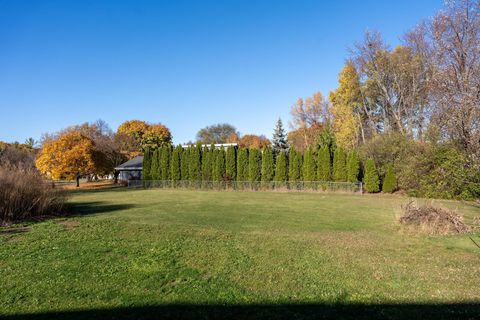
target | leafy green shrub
[
  {"x": 281, "y": 167},
  {"x": 309, "y": 165},
  {"x": 390, "y": 181},
  {"x": 353, "y": 166},
  {"x": 324, "y": 166},
  {"x": 254, "y": 165},
  {"x": 242, "y": 164},
  {"x": 339, "y": 165},
  {"x": 231, "y": 163},
  {"x": 371, "y": 179},
  {"x": 267, "y": 164}
]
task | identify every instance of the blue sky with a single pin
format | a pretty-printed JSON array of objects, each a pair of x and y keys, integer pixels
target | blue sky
[{"x": 186, "y": 64}]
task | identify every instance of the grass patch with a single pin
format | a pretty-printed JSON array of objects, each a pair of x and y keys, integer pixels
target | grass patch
[{"x": 133, "y": 248}]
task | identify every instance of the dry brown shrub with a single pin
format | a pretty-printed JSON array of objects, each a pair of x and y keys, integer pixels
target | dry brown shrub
[
  {"x": 25, "y": 194},
  {"x": 433, "y": 220}
]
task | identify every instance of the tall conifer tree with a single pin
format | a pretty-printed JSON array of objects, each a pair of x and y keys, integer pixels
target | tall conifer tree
[
  {"x": 231, "y": 163},
  {"x": 165, "y": 162},
  {"x": 371, "y": 179},
  {"x": 207, "y": 164},
  {"x": 254, "y": 165},
  {"x": 281, "y": 167},
  {"x": 353, "y": 166},
  {"x": 147, "y": 164},
  {"x": 324, "y": 167},
  {"x": 219, "y": 167},
  {"x": 194, "y": 168},
  {"x": 339, "y": 165},
  {"x": 185, "y": 161},
  {"x": 242, "y": 164},
  {"x": 175, "y": 164},
  {"x": 309, "y": 166},
  {"x": 279, "y": 139},
  {"x": 267, "y": 164}
]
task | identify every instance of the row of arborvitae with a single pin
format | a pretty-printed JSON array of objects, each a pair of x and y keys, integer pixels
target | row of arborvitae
[{"x": 197, "y": 163}]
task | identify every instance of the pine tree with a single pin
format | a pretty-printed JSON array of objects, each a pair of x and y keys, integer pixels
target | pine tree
[
  {"x": 219, "y": 167},
  {"x": 155, "y": 165},
  {"x": 254, "y": 165},
  {"x": 207, "y": 164},
  {"x": 295, "y": 166},
  {"x": 267, "y": 164},
  {"x": 324, "y": 166},
  {"x": 147, "y": 164},
  {"x": 339, "y": 165},
  {"x": 279, "y": 139},
  {"x": 370, "y": 178},
  {"x": 281, "y": 167},
  {"x": 390, "y": 181},
  {"x": 231, "y": 163},
  {"x": 175, "y": 164},
  {"x": 165, "y": 162},
  {"x": 195, "y": 163},
  {"x": 242, "y": 164},
  {"x": 184, "y": 164},
  {"x": 353, "y": 167},
  {"x": 309, "y": 166}
]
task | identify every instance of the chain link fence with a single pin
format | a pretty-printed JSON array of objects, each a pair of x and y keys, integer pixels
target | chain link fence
[{"x": 329, "y": 186}]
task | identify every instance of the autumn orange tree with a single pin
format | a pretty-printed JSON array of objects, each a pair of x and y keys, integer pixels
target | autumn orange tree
[
  {"x": 71, "y": 153},
  {"x": 140, "y": 135},
  {"x": 253, "y": 141}
]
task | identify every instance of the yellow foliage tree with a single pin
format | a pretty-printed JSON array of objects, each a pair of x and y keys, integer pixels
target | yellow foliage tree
[
  {"x": 144, "y": 135},
  {"x": 344, "y": 102},
  {"x": 67, "y": 155}
]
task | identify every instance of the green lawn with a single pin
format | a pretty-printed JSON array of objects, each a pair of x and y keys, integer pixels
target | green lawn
[{"x": 211, "y": 254}]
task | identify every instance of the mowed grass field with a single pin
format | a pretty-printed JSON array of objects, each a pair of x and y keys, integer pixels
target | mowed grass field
[{"x": 207, "y": 254}]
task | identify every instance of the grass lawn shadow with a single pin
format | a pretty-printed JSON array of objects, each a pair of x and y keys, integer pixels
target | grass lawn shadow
[{"x": 280, "y": 311}]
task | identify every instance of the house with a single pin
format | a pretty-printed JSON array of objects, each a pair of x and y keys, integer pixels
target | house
[{"x": 130, "y": 170}]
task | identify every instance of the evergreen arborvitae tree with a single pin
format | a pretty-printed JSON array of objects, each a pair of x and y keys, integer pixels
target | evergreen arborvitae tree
[
  {"x": 309, "y": 166},
  {"x": 295, "y": 166},
  {"x": 370, "y": 178},
  {"x": 184, "y": 164},
  {"x": 207, "y": 164},
  {"x": 267, "y": 164},
  {"x": 324, "y": 166},
  {"x": 242, "y": 164},
  {"x": 147, "y": 164},
  {"x": 279, "y": 139},
  {"x": 339, "y": 165},
  {"x": 165, "y": 163},
  {"x": 281, "y": 167},
  {"x": 195, "y": 163},
  {"x": 390, "y": 181},
  {"x": 175, "y": 164},
  {"x": 219, "y": 166},
  {"x": 353, "y": 167},
  {"x": 254, "y": 165},
  {"x": 231, "y": 163},
  {"x": 155, "y": 165}
]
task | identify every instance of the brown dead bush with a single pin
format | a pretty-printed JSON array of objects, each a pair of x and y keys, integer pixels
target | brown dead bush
[
  {"x": 25, "y": 194},
  {"x": 433, "y": 220}
]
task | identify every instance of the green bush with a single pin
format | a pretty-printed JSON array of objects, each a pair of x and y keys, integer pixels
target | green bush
[
  {"x": 231, "y": 163},
  {"x": 267, "y": 164},
  {"x": 353, "y": 167},
  {"x": 309, "y": 165},
  {"x": 207, "y": 166},
  {"x": 195, "y": 164},
  {"x": 324, "y": 167},
  {"x": 281, "y": 167},
  {"x": 147, "y": 164},
  {"x": 242, "y": 164},
  {"x": 339, "y": 165},
  {"x": 295, "y": 166},
  {"x": 390, "y": 181},
  {"x": 184, "y": 163},
  {"x": 175, "y": 164},
  {"x": 254, "y": 165},
  {"x": 219, "y": 165},
  {"x": 371, "y": 179},
  {"x": 155, "y": 165},
  {"x": 165, "y": 162}
]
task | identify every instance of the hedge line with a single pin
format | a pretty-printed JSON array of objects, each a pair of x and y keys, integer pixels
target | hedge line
[{"x": 241, "y": 164}]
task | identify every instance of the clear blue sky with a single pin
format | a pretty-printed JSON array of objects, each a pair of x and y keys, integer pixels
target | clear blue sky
[{"x": 186, "y": 64}]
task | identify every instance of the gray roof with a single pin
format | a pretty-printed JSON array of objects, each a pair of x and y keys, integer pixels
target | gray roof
[{"x": 132, "y": 164}]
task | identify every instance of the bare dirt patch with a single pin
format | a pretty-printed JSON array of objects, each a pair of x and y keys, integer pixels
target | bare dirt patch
[{"x": 433, "y": 220}]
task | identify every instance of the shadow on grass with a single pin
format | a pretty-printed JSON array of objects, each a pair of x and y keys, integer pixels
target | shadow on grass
[
  {"x": 281, "y": 311},
  {"x": 95, "y": 207}
]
